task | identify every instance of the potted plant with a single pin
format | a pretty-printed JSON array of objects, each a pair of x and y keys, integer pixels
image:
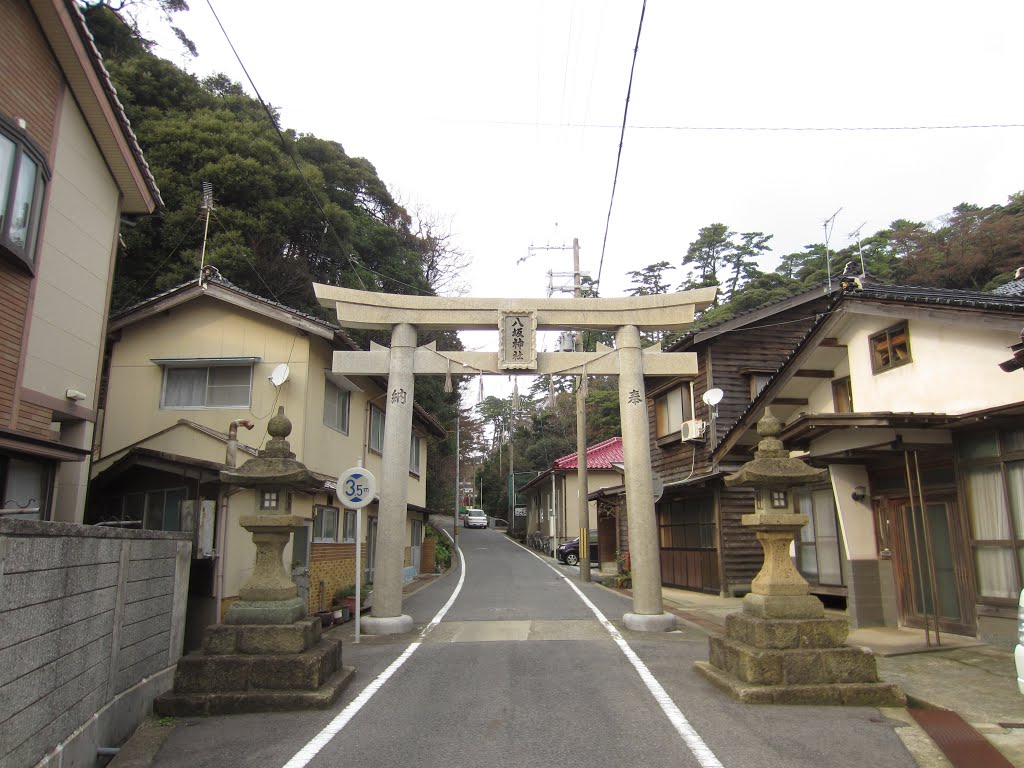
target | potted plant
[{"x": 346, "y": 596}]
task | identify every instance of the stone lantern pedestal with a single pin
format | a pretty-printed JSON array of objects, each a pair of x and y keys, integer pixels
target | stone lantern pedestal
[
  {"x": 781, "y": 648},
  {"x": 267, "y": 655}
]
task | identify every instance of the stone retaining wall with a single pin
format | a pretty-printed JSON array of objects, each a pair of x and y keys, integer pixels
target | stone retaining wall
[{"x": 92, "y": 622}]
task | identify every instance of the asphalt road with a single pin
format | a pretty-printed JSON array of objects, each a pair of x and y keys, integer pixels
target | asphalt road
[{"x": 521, "y": 671}]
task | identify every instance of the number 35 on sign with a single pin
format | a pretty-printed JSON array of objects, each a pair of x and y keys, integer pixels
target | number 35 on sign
[{"x": 356, "y": 487}]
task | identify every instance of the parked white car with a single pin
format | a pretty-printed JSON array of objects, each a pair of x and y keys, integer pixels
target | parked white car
[{"x": 1018, "y": 652}]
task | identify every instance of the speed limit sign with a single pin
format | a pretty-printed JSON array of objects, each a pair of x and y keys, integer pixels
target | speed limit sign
[{"x": 356, "y": 487}]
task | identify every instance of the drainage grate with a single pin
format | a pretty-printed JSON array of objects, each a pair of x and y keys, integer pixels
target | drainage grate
[{"x": 963, "y": 746}]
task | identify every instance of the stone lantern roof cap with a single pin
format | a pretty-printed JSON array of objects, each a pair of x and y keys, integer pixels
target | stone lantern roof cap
[
  {"x": 275, "y": 465},
  {"x": 772, "y": 466}
]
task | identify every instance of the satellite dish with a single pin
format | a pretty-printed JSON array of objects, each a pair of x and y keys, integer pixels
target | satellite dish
[
  {"x": 280, "y": 375},
  {"x": 713, "y": 397}
]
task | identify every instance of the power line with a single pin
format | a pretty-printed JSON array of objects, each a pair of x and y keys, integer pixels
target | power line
[
  {"x": 622, "y": 136},
  {"x": 754, "y": 128}
]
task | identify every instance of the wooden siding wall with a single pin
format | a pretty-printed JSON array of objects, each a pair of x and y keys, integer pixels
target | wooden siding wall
[
  {"x": 766, "y": 346},
  {"x": 740, "y": 551},
  {"x": 30, "y": 88}
]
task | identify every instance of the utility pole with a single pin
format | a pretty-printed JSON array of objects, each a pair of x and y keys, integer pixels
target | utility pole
[{"x": 583, "y": 507}]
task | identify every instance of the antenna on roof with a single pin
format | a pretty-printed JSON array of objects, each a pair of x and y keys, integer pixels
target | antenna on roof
[
  {"x": 206, "y": 205},
  {"x": 829, "y": 224},
  {"x": 860, "y": 253}
]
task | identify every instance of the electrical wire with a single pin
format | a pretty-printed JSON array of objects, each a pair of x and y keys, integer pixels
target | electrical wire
[
  {"x": 754, "y": 128},
  {"x": 622, "y": 136},
  {"x": 138, "y": 293},
  {"x": 288, "y": 149}
]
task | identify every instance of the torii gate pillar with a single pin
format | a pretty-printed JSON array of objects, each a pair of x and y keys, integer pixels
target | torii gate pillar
[
  {"x": 648, "y": 609},
  {"x": 386, "y": 617}
]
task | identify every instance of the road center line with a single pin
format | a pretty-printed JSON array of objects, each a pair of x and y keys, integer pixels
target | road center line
[
  {"x": 694, "y": 742},
  {"x": 318, "y": 742}
]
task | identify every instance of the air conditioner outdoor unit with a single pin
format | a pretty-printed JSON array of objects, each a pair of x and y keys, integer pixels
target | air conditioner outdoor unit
[{"x": 693, "y": 431}]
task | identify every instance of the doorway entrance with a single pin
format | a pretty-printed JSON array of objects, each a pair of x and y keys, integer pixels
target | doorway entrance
[{"x": 930, "y": 569}]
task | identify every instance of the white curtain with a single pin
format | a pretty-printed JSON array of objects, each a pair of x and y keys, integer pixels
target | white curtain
[{"x": 990, "y": 520}]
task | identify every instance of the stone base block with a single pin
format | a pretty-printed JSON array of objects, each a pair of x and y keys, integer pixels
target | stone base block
[
  {"x": 786, "y": 633},
  {"x": 783, "y": 606},
  {"x": 238, "y": 702},
  {"x": 224, "y": 673},
  {"x": 266, "y": 611},
  {"x": 655, "y": 622},
  {"x": 865, "y": 694},
  {"x": 810, "y": 666},
  {"x": 386, "y": 625},
  {"x": 225, "y": 639}
]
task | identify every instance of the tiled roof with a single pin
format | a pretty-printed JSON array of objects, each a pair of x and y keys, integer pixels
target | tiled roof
[
  {"x": 604, "y": 455},
  {"x": 949, "y": 297},
  {"x": 1012, "y": 288}
]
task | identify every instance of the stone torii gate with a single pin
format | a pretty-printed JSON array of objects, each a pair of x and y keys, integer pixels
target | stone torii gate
[{"x": 517, "y": 322}]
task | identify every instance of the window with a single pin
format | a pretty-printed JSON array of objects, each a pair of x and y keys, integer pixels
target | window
[
  {"x": 992, "y": 467},
  {"x": 158, "y": 510},
  {"x": 890, "y": 348},
  {"x": 25, "y": 485},
  {"x": 23, "y": 177},
  {"x": 214, "y": 386},
  {"x": 336, "y": 402},
  {"x": 414, "y": 454},
  {"x": 325, "y": 525},
  {"x": 758, "y": 381},
  {"x": 819, "y": 555},
  {"x": 842, "y": 395},
  {"x": 348, "y": 534},
  {"x": 376, "y": 429},
  {"x": 672, "y": 409}
]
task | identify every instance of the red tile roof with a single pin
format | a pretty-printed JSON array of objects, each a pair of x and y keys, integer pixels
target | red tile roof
[{"x": 600, "y": 456}]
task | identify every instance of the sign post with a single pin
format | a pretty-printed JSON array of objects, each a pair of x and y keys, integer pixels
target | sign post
[{"x": 357, "y": 487}]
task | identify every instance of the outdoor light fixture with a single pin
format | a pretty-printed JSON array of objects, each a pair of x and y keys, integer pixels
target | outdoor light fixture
[{"x": 859, "y": 493}]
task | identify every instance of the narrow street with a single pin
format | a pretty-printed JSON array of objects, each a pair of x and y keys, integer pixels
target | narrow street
[{"x": 528, "y": 667}]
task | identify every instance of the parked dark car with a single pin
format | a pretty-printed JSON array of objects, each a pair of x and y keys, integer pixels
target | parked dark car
[{"x": 569, "y": 552}]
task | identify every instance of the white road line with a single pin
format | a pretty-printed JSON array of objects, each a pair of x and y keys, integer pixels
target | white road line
[
  {"x": 700, "y": 750},
  {"x": 318, "y": 742}
]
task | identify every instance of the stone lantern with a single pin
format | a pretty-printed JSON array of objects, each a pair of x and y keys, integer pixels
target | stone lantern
[
  {"x": 270, "y": 596},
  {"x": 781, "y": 648},
  {"x": 267, "y": 655}
]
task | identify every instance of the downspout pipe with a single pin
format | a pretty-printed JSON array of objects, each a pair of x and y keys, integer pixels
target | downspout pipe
[{"x": 221, "y": 544}]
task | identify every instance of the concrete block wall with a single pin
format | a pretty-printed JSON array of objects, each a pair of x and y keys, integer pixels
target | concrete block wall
[{"x": 92, "y": 622}]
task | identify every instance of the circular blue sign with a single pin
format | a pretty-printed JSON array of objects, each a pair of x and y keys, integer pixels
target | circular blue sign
[{"x": 356, "y": 487}]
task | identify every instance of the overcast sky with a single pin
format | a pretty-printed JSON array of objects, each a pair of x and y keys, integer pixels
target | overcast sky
[{"x": 505, "y": 116}]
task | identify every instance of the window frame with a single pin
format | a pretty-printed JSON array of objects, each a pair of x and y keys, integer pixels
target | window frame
[
  {"x": 23, "y": 146},
  {"x": 47, "y": 477},
  {"x": 415, "y": 454},
  {"x": 877, "y": 366},
  {"x": 1004, "y": 455},
  {"x": 348, "y": 525},
  {"x": 663, "y": 425},
  {"x": 321, "y": 512},
  {"x": 167, "y": 368},
  {"x": 840, "y": 387},
  {"x": 809, "y": 539},
  {"x": 375, "y": 439},
  {"x": 342, "y": 394}
]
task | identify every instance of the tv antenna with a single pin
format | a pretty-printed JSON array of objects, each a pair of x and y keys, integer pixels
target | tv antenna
[
  {"x": 829, "y": 224},
  {"x": 860, "y": 253},
  {"x": 206, "y": 205}
]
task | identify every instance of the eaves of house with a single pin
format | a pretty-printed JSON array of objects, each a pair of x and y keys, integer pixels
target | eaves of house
[
  {"x": 76, "y": 53},
  {"x": 814, "y": 353}
]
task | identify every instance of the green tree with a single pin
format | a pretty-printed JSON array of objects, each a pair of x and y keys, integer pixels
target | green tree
[
  {"x": 705, "y": 256},
  {"x": 650, "y": 281}
]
